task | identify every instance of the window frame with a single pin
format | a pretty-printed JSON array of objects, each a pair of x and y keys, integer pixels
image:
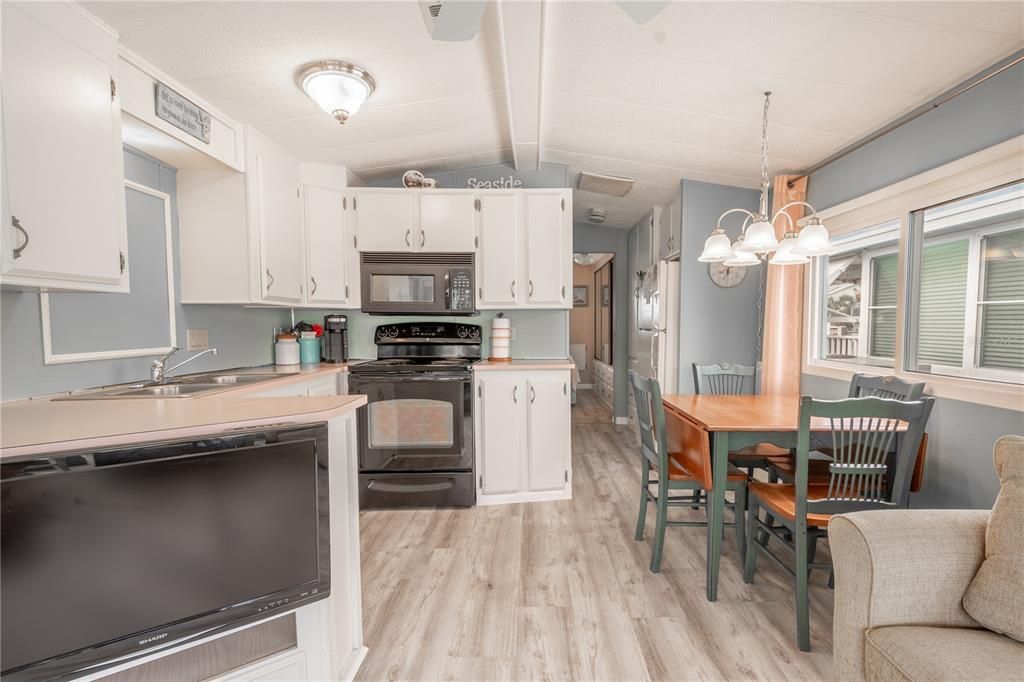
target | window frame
[{"x": 990, "y": 168}]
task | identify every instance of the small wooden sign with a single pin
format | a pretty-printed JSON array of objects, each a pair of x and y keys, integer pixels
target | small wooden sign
[{"x": 182, "y": 113}]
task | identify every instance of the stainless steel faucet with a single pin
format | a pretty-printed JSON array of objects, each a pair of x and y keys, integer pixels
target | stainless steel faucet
[{"x": 157, "y": 371}]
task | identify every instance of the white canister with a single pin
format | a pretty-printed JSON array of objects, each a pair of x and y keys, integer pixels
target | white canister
[
  {"x": 501, "y": 338},
  {"x": 286, "y": 350}
]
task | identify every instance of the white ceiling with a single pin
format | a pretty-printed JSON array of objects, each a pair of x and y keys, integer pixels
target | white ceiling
[{"x": 679, "y": 97}]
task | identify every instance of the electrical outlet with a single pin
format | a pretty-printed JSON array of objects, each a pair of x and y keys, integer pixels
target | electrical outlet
[{"x": 198, "y": 339}]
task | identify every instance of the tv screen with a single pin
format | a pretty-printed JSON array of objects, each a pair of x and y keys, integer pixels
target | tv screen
[{"x": 132, "y": 546}]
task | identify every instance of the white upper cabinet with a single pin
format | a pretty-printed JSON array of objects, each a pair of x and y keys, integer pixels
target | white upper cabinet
[
  {"x": 64, "y": 208},
  {"x": 645, "y": 239},
  {"x": 668, "y": 230},
  {"x": 447, "y": 221},
  {"x": 276, "y": 204},
  {"x": 327, "y": 246},
  {"x": 500, "y": 245},
  {"x": 548, "y": 416},
  {"x": 385, "y": 220},
  {"x": 548, "y": 217}
]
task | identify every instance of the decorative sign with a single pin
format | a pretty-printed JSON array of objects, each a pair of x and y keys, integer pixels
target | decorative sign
[
  {"x": 182, "y": 114},
  {"x": 507, "y": 182}
]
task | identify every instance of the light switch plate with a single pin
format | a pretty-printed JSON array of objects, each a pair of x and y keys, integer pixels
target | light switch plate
[{"x": 198, "y": 339}]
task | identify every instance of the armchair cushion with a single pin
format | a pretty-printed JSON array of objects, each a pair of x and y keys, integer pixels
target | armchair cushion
[
  {"x": 995, "y": 597},
  {"x": 907, "y": 652}
]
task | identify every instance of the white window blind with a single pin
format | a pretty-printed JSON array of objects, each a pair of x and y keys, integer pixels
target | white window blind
[
  {"x": 1001, "y": 343},
  {"x": 882, "y": 311},
  {"x": 943, "y": 303}
]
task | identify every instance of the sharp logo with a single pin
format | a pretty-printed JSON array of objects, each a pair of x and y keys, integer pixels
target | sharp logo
[{"x": 154, "y": 638}]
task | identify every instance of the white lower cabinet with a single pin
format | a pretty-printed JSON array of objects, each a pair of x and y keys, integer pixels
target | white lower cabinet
[
  {"x": 333, "y": 384},
  {"x": 523, "y": 440}
]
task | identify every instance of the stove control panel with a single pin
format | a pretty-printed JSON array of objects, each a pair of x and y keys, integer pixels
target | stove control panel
[{"x": 428, "y": 332}]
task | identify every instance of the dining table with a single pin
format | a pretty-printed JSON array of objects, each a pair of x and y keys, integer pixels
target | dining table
[{"x": 706, "y": 428}]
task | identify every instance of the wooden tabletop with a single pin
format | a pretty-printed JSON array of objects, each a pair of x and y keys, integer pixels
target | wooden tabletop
[
  {"x": 734, "y": 413},
  {"x": 738, "y": 412}
]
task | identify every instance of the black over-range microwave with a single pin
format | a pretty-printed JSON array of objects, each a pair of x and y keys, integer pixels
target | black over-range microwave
[
  {"x": 418, "y": 283},
  {"x": 108, "y": 555}
]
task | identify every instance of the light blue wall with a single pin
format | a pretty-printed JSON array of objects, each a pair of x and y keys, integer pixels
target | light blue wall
[
  {"x": 961, "y": 434},
  {"x": 717, "y": 325},
  {"x": 599, "y": 239},
  {"x": 988, "y": 114},
  {"x": 241, "y": 335}
]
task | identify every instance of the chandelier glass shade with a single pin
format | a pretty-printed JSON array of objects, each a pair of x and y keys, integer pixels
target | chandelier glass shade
[{"x": 757, "y": 242}]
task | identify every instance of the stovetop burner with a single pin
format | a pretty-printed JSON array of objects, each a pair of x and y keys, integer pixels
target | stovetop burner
[
  {"x": 423, "y": 364},
  {"x": 424, "y": 347}
]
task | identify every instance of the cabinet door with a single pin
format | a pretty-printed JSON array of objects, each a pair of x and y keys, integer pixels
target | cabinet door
[
  {"x": 447, "y": 221},
  {"x": 62, "y": 152},
  {"x": 644, "y": 239},
  {"x": 548, "y": 427},
  {"x": 278, "y": 212},
  {"x": 353, "y": 288},
  {"x": 327, "y": 250},
  {"x": 384, "y": 219},
  {"x": 327, "y": 386},
  {"x": 668, "y": 230},
  {"x": 498, "y": 256},
  {"x": 500, "y": 405},
  {"x": 548, "y": 244}
]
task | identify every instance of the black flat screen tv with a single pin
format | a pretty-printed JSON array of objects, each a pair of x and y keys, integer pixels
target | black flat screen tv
[{"x": 109, "y": 555}]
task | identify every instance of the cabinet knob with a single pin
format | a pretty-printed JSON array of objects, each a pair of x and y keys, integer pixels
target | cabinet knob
[
  {"x": 533, "y": 395},
  {"x": 530, "y": 290},
  {"x": 16, "y": 224},
  {"x": 515, "y": 394},
  {"x": 313, "y": 290},
  {"x": 407, "y": 233},
  {"x": 563, "y": 291},
  {"x": 423, "y": 238},
  {"x": 513, "y": 288},
  {"x": 270, "y": 279}
]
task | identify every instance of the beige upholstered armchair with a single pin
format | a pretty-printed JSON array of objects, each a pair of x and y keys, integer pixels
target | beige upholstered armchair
[{"x": 901, "y": 576}]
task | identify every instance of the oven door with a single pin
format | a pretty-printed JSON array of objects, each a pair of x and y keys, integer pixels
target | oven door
[
  {"x": 415, "y": 422},
  {"x": 395, "y": 288}
]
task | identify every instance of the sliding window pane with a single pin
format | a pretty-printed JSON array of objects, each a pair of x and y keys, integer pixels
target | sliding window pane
[
  {"x": 966, "y": 297},
  {"x": 856, "y": 329},
  {"x": 1001, "y": 342}
]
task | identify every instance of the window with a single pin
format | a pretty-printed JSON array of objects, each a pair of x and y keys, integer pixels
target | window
[
  {"x": 860, "y": 285},
  {"x": 965, "y": 299}
]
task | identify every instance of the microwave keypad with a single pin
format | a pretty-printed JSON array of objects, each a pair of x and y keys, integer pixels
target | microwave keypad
[{"x": 461, "y": 290}]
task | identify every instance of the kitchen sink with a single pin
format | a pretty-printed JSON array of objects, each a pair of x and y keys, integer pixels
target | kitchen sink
[{"x": 222, "y": 379}]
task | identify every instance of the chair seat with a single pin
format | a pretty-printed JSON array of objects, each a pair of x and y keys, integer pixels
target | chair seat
[
  {"x": 679, "y": 471},
  {"x": 818, "y": 472},
  {"x": 780, "y": 500}
]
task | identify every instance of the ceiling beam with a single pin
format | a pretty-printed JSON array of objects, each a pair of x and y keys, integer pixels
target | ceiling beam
[{"x": 521, "y": 37}]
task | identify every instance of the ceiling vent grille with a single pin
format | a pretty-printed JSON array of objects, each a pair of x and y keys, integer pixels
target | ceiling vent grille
[
  {"x": 604, "y": 184},
  {"x": 597, "y": 215}
]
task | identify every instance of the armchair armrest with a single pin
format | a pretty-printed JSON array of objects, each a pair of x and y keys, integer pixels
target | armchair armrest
[{"x": 900, "y": 567}]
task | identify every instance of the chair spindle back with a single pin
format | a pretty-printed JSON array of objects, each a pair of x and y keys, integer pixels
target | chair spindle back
[
  {"x": 723, "y": 379},
  {"x": 893, "y": 388},
  {"x": 650, "y": 416}
]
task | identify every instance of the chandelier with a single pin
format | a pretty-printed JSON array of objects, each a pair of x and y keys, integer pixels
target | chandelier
[{"x": 756, "y": 242}]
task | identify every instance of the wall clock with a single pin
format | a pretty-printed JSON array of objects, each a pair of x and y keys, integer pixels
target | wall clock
[{"x": 726, "y": 276}]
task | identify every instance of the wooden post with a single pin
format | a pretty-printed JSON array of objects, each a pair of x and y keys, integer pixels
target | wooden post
[{"x": 784, "y": 302}]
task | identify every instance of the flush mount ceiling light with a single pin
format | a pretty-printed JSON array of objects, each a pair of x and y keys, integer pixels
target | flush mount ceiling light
[
  {"x": 339, "y": 88},
  {"x": 757, "y": 242}
]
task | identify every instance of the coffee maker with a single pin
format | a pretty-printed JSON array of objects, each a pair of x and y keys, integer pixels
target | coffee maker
[{"x": 334, "y": 342}]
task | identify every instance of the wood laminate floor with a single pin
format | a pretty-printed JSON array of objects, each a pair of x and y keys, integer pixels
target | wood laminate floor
[{"x": 560, "y": 590}]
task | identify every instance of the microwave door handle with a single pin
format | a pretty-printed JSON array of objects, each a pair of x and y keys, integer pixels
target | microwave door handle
[{"x": 447, "y": 290}]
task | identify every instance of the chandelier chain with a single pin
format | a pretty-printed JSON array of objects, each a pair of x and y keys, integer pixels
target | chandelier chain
[{"x": 764, "y": 156}]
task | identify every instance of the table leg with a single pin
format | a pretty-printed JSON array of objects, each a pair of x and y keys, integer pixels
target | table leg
[{"x": 716, "y": 501}]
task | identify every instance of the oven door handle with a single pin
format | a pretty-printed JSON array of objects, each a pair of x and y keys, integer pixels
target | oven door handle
[{"x": 385, "y": 487}]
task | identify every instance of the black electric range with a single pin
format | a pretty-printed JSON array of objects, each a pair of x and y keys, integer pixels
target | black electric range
[{"x": 416, "y": 432}]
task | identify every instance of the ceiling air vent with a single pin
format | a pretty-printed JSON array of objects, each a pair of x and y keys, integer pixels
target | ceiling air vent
[
  {"x": 604, "y": 184},
  {"x": 597, "y": 215},
  {"x": 452, "y": 20}
]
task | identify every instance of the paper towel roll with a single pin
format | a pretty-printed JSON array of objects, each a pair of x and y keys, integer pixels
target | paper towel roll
[{"x": 501, "y": 338}]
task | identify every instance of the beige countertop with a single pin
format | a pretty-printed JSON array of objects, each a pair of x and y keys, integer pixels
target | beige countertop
[
  {"x": 43, "y": 425},
  {"x": 486, "y": 365}
]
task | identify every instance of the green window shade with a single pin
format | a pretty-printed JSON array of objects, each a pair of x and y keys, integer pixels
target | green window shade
[
  {"x": 882, "y": 320},
  {"x": 1002, "y": 324},
  {"x": 943, "y": 303}
]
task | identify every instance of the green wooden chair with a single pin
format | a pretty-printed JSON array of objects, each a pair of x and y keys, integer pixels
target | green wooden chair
[
  {"x": 863, "y": 475},
  {"x": 672, "y": 473},
  {"x": 861, "y": 386}
]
